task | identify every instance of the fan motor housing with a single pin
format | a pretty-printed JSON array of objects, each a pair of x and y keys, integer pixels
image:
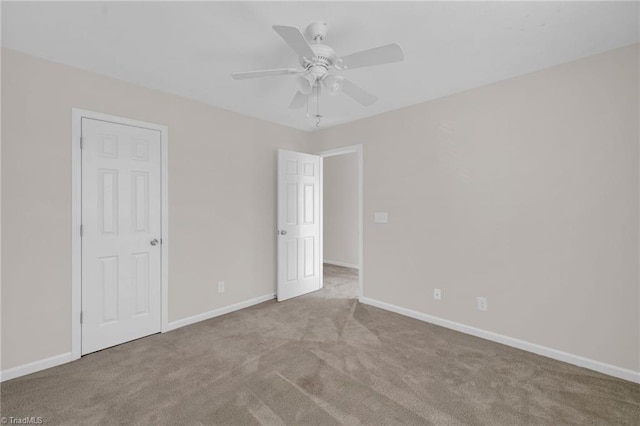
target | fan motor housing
[{"x": 325, "y": 56}]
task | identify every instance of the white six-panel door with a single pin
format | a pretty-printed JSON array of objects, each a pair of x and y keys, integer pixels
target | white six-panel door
[
  {"x": 121, "y": 233},
  {"x": 299, "y": 266}
]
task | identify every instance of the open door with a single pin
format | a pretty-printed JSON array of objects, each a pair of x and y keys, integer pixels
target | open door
[{"x": 299, "y": 267}]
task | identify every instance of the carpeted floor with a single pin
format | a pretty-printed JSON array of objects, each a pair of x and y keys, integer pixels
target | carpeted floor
[{"x": 315, "y": 360}]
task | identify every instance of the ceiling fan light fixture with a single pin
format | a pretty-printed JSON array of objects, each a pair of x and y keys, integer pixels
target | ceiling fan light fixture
[
  {"x": 305, "y": 83},
  {"x": 333, "y": 83}
]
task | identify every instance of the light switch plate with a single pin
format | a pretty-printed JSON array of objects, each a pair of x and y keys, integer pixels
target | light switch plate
[{"x": 381, "y": 217}]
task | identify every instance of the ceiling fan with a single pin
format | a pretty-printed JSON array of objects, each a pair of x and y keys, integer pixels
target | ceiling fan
[{"x": 318, "y": 62}]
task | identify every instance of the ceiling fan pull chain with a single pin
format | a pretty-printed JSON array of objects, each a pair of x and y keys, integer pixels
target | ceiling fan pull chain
[{"x": 318, "y": 116}]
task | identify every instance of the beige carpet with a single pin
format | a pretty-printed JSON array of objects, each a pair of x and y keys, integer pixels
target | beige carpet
[{"x": 315, "y": 360}]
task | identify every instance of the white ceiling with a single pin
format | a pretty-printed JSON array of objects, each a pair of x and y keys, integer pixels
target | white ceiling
[{"x": 190, "y": 49}]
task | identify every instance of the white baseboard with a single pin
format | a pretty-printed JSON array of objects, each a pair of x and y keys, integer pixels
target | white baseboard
[
  {"x": 35, "y": 366},
  {"x": 53, "y": 361},
  {"x": 343, "y": 264},
  {"x": 217, "y": 312},
  {"x": 601, "y": 367}
]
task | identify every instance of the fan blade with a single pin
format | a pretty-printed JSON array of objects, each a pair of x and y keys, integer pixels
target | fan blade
[
  {"x": 357, "y": 93},
  {"x": 265, "y": 73},
  {"x": 376, "y": 56},
  {"x": 294, "y": 38},
  {"x": 298, "y": 101}
]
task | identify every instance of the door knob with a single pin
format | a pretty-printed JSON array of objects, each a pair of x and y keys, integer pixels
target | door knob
[
  {"x": 154, "y": 242},
  {"x": 283, "y": 232}
]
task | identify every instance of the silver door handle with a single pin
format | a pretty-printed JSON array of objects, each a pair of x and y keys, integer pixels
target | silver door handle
[
  {"x": 154, "y": 242},
  {"x": 283, "y": 232}
]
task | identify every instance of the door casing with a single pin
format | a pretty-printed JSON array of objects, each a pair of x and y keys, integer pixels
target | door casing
[{"x": 76, "y": 218}]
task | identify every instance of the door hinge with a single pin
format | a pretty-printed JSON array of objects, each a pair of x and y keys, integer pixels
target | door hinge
[
  {"x": 81, "y": 230},
  {"x": 81, "y": 143},
  {"x": 81, "y": 316}
]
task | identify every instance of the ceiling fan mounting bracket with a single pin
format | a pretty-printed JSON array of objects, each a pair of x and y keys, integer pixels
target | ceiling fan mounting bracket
[{"x": 317, "y": 31}]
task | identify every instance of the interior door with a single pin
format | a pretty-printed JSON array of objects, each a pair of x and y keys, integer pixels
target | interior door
[
  {"x": 299, "y": 267},
  {"x": 121, "y": 233}
]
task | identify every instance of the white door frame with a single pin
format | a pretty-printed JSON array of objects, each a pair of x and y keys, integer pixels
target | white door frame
[
  {"x": 340, "y": 151},
  {"x": 76, "y": 218}
]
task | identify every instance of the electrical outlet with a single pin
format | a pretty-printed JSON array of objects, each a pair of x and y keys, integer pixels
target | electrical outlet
[
  {"x": 220, "y": 286},
  {"x": 381, "y": 217},
  {"x": 437, "y": 294},
  {"x": 483, "y": 305}
]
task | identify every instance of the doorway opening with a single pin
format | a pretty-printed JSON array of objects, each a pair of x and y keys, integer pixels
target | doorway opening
[{"x": 342, "y": 221}]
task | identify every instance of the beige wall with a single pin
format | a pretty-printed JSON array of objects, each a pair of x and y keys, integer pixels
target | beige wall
[
  {"x": 525, "y": 192},
  {"x": 221, "y": 199},
  {"x": 340, "y": 208}
]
